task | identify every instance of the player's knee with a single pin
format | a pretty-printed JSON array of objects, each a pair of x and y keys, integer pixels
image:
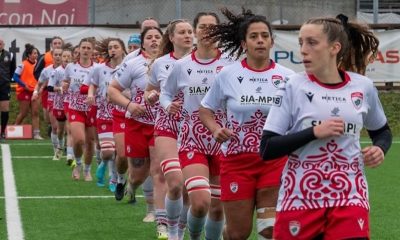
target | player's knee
[
  {"x": 198, "y": 185},
  {"x": 265, "y": 222}
]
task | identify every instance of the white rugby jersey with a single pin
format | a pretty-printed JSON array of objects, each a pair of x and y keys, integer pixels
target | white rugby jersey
[
  {"x": 133, "y": 75},
  {"x": 77, "y": 75},
  {"x": 45, "y": 76},
  {"x": 131, "y": 55},
  {"x": 194, "y": 79},
  {"x": 247, "y": 95},
  {"x": 56, "y": 81},
  {"x": 325, "y": 172},
  {"x": 160, "y": 70},
  {"x": 101, "y": 77}
]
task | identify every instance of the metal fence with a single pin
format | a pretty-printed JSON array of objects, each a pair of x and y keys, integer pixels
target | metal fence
[{"x": 276, "y": 11}]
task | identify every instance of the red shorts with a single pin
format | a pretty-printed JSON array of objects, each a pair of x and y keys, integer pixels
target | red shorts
[
  {"x": 50, "y": 106},
  {"x": 242, "y": 174},
  {"x": 138, "y": 138},
  {"x": 45, "y": 95},
  {"x": 211, "y": 161},
  {"x": 59, "y": 115},
  {"x": 24, "y": 96},
  {"x": 104, "y": 126},
  {"x": 163, "y": 133},
  {"x": 83, "y": 117},
  {"x": 334, "y": 223},
  {"x": 118, "y": 122}
]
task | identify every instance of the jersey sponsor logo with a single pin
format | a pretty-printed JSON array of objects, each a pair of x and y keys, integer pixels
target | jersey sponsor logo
[
  {"x": 310, "y": 96},
  {"x": 336, "y": 99},
  {"x": 348, "y": 128},
  {"x": 294, "y": 228},
  {"x": 189, "y": 71},
  {"x": 202, "y": 71},
  {"x": 261, "y": 100},
  {"x": 277, "y": 80},
  {"x": 335, "y": 112},
  {"x": 357, "y": 99},
  {"x": 234, "y": 186},
  {"x": 258, "y": 90},
  {"x": 258, "y": 80},
  {"x": 218, "y": 69},
  {"x": 200, "y": 90},
  {"x": 204, "y": 81},
  {"x": 240, "y": 78}
]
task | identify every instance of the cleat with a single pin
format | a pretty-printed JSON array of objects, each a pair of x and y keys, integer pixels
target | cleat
[
  {"x": 119, "y": 191},
  {"x": 100, "y": 174},
  {"x": 149, "y": 217},
  {"x": 70, "y": 160},
  {"x": 59, "y": 153},
  {"x": 2, "y": 137},
  {"x": 112, "y": 186},
  {"x": 88, "y": 177},
  {"x": 76, "y": 172},
  {"x": 162, "y": 233},
  {"x": 55, "y": 157},
  {"x": 38, "y": 137},
  {"x": 131, "y": 194}
]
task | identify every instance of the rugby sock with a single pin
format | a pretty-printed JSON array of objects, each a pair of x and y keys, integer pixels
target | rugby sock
[
  {"x": 161, "y": 216},
  {"x": 173, "y": 208},
  {"x": 98, "y": 156},
  {"x": 112, "y": 170},
  {"x": 60, "y": 143},
  {"x": 4, "y": 121},
  {"x": 183, "y": 221},
  {"x": 54, "y": 141},
  {"x": 70, "y": 152},
  {"x": 78, "y": 160},
  {"x": 213, "y": 228},
  {"x": 195, "y": 226},
  {"x": 121, "y": 178},
  {"x": 87, "y": 168},
  {"x": 148, "y": 192}
]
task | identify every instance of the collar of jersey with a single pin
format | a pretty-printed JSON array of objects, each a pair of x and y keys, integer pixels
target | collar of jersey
[
  {"x": 345, "y": 77},
  {"x": 270, "y": 66},
  {"x": 213, "y": 60}
]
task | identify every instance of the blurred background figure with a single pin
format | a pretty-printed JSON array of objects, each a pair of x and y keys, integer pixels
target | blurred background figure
[{"x": 134, "y": 42}]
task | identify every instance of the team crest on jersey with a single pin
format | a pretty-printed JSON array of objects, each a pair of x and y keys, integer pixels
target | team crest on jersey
[
  {"x": 277, "y": 80},
  {"x": 240, "y": 78},
  {"x": 234, "y": 186},
  {"x": 189, "y": 71},
  {"x": 190, "y": 155},
  {"x": 166, "y": 67},
  {"x": 218, "y": 69},
  {"x": 294, "y": 228},
  {"x": 357, "y": 99}
]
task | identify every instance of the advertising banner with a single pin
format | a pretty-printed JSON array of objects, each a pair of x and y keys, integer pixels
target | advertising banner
[{"x": 43, "y": 12}]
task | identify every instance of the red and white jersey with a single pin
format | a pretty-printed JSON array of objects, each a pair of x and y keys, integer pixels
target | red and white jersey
[
  {"x": 76, "y": 74},
  {"x": 247, "y": 95},
  {"x": 325, "y": 172},
  {"x": 56, "y": 81},
  {"x": 101, "y": 77},
  {"x": 45, "y": 76},
  {"x": 194, "y": 78},
  {"x": 160, "y": 70},
  {"x": 133, "y": 75}
]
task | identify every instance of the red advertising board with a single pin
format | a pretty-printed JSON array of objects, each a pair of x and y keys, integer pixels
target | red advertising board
[{"x": 43, "y": 12}]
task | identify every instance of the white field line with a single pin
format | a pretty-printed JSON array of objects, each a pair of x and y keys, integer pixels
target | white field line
[
  {"x": 67, "y": 197},
  {"x": 13, "y": 217}
]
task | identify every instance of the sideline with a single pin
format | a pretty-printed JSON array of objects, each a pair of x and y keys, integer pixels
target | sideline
[
  {"x": 69, "y": 197},
  {"x": 13, "y": 216}
]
